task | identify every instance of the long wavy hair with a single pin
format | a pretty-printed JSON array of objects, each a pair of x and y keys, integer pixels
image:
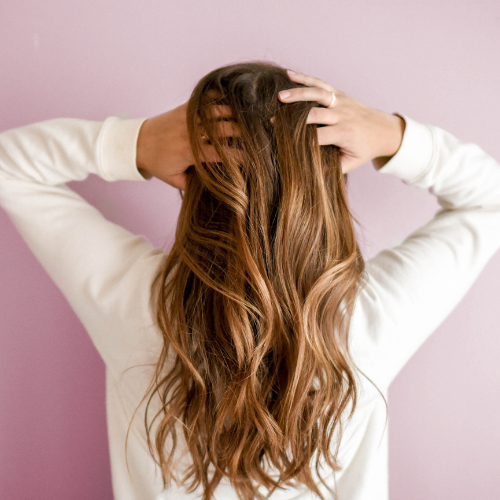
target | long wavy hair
[{"x": 256, "y": 295}]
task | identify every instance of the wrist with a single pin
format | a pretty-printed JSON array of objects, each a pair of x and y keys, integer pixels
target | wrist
[
  {"x": 144, "y": 173},
  {"x": 142, "y": 151},
  {"x": 398, "y": 128},
  {"x": 393, "y": 137}
]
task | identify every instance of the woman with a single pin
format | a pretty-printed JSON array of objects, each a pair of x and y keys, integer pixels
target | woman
[{"x": 252, "y": 360}]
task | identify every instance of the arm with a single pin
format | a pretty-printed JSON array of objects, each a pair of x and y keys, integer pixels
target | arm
[
  {"x": 412, "y": 287},
  {"x": 102, "y": 269}
]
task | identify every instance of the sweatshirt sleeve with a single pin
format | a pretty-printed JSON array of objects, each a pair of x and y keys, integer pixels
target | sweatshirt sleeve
[
  {"x": 103, "y": 270},
  {"x": 412, "y": 287}
]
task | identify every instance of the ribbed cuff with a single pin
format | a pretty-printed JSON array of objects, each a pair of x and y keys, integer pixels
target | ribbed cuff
[
  {"x": 414, "y": 156},
  {"x": 118, "y": 149}
]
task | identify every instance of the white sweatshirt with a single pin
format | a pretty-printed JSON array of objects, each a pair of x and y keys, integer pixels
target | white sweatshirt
[{"x": 105, "y": 272}]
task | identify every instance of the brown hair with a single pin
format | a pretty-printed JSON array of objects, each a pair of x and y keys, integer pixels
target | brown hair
[{"x": 256, "y": 295}]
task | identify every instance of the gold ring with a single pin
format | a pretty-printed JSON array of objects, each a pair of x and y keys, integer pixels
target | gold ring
[{"x": 333, "y": 100}]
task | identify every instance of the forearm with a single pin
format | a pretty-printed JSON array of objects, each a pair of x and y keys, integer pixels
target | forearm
[
  {"x": 60, "y": 150},
  {"x": 51, "y": 152}
]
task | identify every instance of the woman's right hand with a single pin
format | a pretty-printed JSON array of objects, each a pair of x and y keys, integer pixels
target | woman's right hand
[
  {"x": 362, "y": 133},
  {"x": 164, "y": 150}
]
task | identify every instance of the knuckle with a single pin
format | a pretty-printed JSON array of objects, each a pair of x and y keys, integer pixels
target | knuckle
[
  {"x": 314, "y": 113},
  {"x": 327, "y": 93}
]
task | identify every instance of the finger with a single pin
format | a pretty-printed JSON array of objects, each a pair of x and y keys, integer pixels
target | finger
[
  {"x": 226, "y": 142},
  {"x": 209, "y": 154},
  {"x": 318, "y": 115},
  {"x": 311, "y": 81},
  {"x": 322, "y": 116},
  {"x": 349, "y": 163},
  {"x": 329, "y": 135},
  {"x": 218, "y": 112},
  {"x": 318, "y": 94},
  {"x": 224, "y": 129}
]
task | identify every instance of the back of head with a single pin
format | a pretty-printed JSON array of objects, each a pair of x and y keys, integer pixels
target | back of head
[{"x": 256, "y": 295}]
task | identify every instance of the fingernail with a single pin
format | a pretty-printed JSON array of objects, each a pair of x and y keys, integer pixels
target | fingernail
[
  {"x": 290, "y": 72},
  {"x": 284, "y": 94}
]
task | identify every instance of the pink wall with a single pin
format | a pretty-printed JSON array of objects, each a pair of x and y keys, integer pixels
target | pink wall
[{"x": 434, "y": 61}]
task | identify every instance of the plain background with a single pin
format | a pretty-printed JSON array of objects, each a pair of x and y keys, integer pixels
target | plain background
[{"x": 435, "y": 61}]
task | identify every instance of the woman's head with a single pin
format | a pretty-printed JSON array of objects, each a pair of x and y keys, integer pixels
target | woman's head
[
  {"x": 245, "y": 96},
  {"x": 255, "y": 297}
]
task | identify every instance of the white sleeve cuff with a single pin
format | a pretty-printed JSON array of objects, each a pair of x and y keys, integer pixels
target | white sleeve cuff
[
  {"x": 118, "y": 149},
  {"x": 414, "y": 156}
]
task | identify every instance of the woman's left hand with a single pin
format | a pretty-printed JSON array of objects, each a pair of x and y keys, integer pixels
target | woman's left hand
[{"x": 362, "y": 133}]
